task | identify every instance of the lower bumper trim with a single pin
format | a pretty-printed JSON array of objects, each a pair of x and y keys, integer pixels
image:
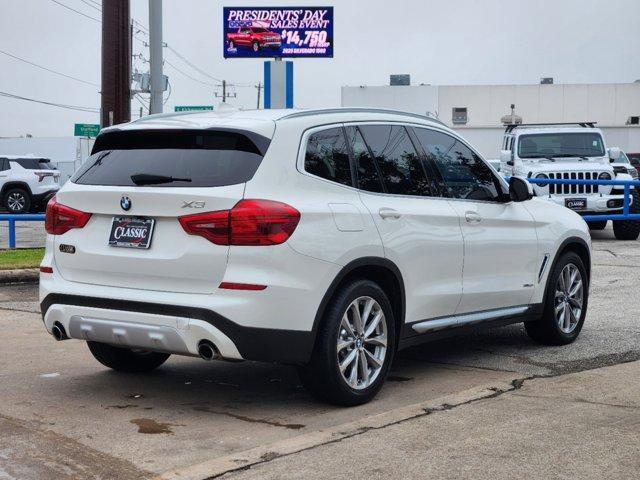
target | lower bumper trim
[
  {"x": 125, "y": 334},
  {"x": 259, "y": 344}
]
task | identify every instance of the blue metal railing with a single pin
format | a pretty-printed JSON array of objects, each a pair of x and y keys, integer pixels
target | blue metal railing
[
  {"x": 627, "y": 184},
  {"x": 12, "y": 219},
  {"x": 625, "y": 215}
]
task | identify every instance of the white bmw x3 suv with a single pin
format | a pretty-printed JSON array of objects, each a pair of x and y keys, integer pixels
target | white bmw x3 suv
[{"x": 327, "y": 239}]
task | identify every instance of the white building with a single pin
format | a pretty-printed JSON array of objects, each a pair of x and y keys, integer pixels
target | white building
[{"x": 479, "y": 108}]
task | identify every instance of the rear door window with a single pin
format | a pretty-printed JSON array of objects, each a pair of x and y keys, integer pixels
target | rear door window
[
  {"x": 327, "y": 156},
  {"x": 368, "y": 175},
  {"x": 398, "y": 162},
  {"x": 173, "y": 159}
]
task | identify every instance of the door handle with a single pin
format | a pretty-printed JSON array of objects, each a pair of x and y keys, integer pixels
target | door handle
[
  {"x": 472, "y": 217},
  {"x": 389, "y": 213}
]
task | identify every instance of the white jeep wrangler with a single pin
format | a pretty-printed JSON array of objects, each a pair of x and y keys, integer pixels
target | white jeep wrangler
[{"x": 574, "y": 151}]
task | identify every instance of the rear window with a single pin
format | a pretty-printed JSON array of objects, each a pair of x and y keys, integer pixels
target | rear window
[
  {"x": 327, "y": 156},
  {"x": 173, "y": 159},
  {"x": 33, "y": 163}
]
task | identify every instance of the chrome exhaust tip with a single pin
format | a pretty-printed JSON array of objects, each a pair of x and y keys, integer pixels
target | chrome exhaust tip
[
  {"x": 207, "y": 350},
  {"x": 58, "y": 332}
]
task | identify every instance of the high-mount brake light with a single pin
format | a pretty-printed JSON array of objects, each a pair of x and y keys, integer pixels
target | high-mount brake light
[
  {"x": 248, "y": 223},
  {"x": 60, "y": 218}
]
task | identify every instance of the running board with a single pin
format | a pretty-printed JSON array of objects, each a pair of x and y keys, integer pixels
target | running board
[{"x": 468, "y": 319}]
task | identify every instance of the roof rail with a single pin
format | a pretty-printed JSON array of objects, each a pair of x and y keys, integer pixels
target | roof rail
[
  {"x": 306, "y": 113},
  {"x": 512, "y": 126}
]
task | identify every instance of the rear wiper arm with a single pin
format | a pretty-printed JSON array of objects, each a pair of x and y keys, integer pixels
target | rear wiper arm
[{"x": 151, "y": 179}]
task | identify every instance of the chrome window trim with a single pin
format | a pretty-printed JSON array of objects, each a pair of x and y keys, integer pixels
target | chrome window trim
[{"x": 306, "y": 133}]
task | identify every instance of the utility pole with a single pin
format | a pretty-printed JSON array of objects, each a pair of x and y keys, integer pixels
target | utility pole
[
  {"x": 224, "y": 95},
  {"x": 259, "y": 87},
  {"x": 155, "y": 50},
  {"x": 116, "y": 63}
]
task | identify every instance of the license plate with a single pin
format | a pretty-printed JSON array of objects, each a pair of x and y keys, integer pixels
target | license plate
[
  {"x": 131, "y": 232},
  {"x": 576, "y": 203}
]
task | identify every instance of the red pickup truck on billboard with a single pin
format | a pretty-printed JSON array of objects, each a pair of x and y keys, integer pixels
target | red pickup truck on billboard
[{"x": 255, "y": 38}]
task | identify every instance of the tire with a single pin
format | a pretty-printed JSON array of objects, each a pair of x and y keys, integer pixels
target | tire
[
  {"x": 629, "y": 229},
  {"x": 597, "y": 225},
  {"x": 322, "y": 376},
  {"x": 17, "y": 200},
  {"x": 547, "y": 329},
  {"x": 255, "y": 46},
  {"x": 126, "y": 360}
]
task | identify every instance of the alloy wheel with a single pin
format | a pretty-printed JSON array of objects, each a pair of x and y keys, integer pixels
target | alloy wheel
[
  {"x": 16, "y": 201},
  {"x": 362, "y": 342},
  {"x": 569, "y": 298}
]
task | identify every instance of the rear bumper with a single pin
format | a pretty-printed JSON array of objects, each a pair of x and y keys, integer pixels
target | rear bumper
[
  {"x": 171, "y": 328},
  {"x": 40, "y": 199}
]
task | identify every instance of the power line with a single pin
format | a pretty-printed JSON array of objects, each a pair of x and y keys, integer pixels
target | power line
[
  {"x": 48, "y": 69},
  {"x": 142, "y": 27},
  {"x": 93, "y": 5},
  {"x": 145, "y": 31},
  {"x": 186, "y": 74},
  {"x": 76, "y": 11},
  {"x": 59, "y": 105},
  {"x": 197, "y": 69}
]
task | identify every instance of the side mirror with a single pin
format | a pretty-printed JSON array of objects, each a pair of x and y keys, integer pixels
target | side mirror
[
  {"x": 614, "y": 154},
  {"x": 520, "y": 190},
  {"x": 505, "y": 157}
]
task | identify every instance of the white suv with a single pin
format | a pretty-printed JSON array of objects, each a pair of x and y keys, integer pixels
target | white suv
[
  {"x": 571, "y": 152},
  {"x": 327, "y": 239},
  {"x": 27, "y": 182}
]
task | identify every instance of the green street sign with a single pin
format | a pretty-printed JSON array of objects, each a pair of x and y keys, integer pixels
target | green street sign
[
  {"x": 86, "y": 130},
  {"x": 189, "y": 108}
]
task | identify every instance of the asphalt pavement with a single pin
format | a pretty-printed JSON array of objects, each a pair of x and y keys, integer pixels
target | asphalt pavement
[{"x": 447, "y": 404}]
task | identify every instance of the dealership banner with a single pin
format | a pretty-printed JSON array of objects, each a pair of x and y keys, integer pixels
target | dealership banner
[{"x": 259, "y": 32}]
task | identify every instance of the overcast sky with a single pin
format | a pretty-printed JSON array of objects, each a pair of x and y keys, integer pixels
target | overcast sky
[{"x": 436, "y": 41}]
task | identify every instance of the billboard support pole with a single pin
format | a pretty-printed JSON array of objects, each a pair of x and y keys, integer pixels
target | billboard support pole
[{"x": 278, "y": 84}]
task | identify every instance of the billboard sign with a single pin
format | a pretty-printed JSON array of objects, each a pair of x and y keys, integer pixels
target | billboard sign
[{"x": 278, "y": 32}]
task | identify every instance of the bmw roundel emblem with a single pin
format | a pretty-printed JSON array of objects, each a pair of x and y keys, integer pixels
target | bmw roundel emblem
[{"x": 125, "y": 203}]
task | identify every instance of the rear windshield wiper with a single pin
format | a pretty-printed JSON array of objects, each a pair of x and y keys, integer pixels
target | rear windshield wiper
[{"x": 151, "y": 179}]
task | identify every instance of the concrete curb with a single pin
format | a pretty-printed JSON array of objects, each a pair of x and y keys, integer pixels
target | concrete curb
[
  {"x": 23, "y": 275},
  {"x": 265, "y": 453}
]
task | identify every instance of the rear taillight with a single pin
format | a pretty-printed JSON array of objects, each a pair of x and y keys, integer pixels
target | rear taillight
[
  {"x": 214, "y": 226},
  {"x": 60, "y": 218},
  {"x": 249, "y": 222},
  {"x": 42, "y": 175}
]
